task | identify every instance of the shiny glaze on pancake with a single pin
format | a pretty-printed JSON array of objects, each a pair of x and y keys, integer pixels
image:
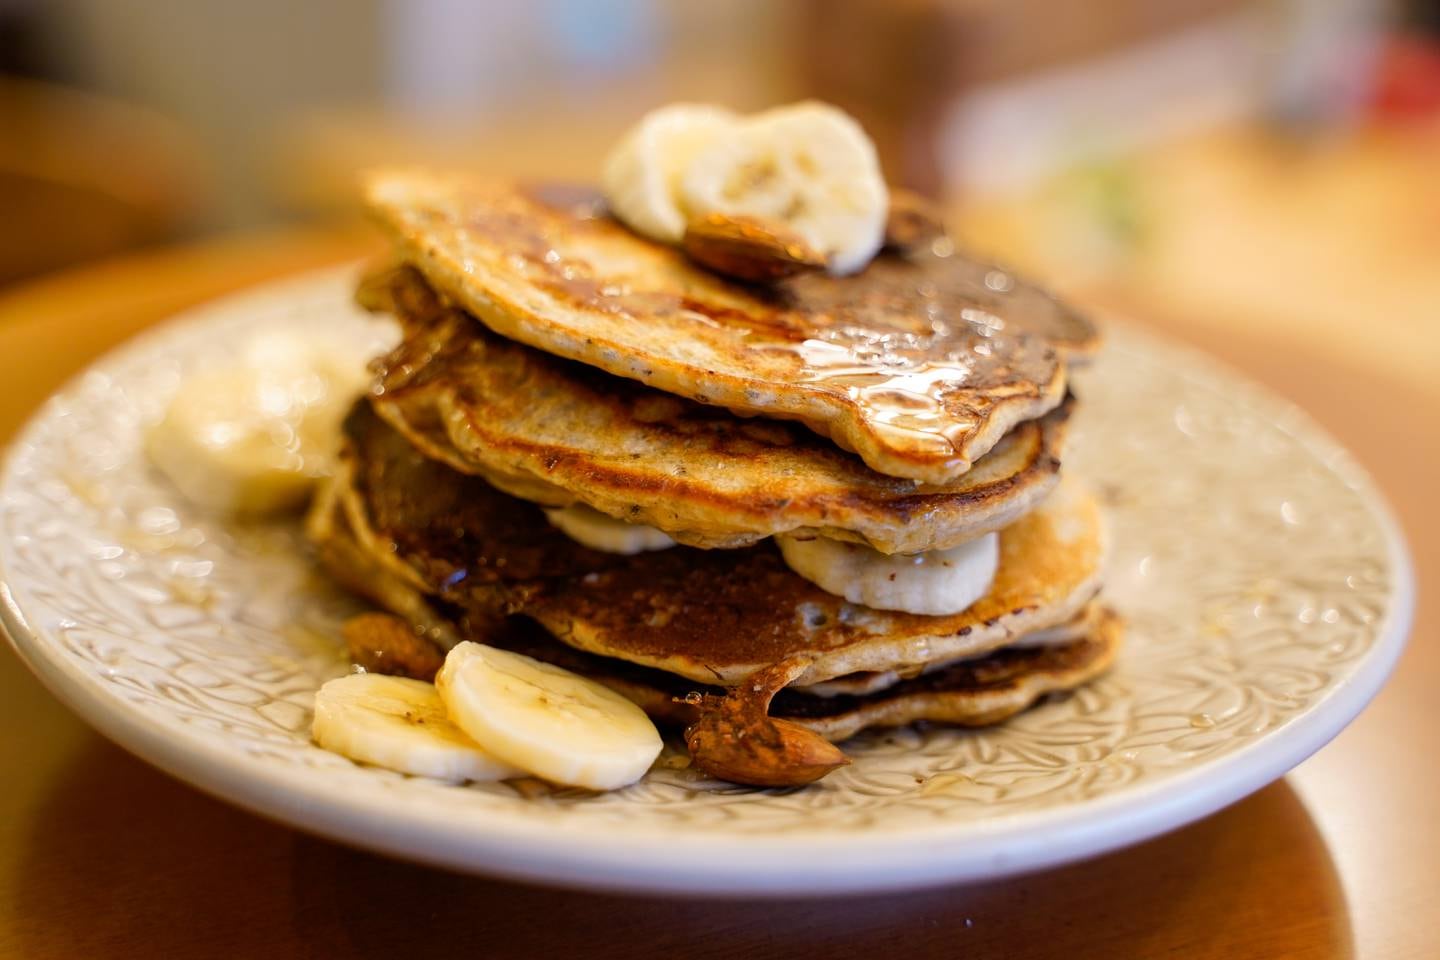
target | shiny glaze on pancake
[
  {"x": 919, "y": 364},
  {"x": 557, "y": 432},
  {"x": 710, "y": 615}
]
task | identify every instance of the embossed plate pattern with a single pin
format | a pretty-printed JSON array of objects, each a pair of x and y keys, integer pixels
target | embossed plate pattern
[{"x": 1267, "y": 589}]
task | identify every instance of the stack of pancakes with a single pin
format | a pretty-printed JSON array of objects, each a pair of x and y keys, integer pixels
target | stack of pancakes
[{"x": 551, "y": 358}]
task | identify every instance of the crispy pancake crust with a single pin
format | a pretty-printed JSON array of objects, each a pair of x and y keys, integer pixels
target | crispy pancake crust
[
  {"x": 975, "y": 692},
  {"x": 919, "y": 364},
  {"x": 972, "y": 693},
  {"x": 721, "y": 615},
  {"x": 557, "y": 432},
  {"x": 711, "y": 615},
  {"x": 860, "y": 684}
]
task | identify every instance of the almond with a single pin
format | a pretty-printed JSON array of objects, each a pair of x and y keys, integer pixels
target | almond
[
  {"x": 384, "y": 644},
  {"x": 913, "y": 223},
  {"x": 736, "y": 740},
  {"x": 760, "y": 751},
  {"x": 749, "y": 249}
]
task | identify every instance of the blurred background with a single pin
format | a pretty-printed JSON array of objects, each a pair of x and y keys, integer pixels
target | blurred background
[{"x": 1278, "y": 158}]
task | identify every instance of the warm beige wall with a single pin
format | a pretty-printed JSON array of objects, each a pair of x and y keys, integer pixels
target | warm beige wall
[
  {"x": 226, "y": 70},
  {"x": 249, "y": 77}
]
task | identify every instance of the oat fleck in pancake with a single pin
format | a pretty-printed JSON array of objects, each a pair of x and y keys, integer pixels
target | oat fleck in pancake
[
  {"x": 713, "y": 616},
  {"x": 555, "y": 431},
  {"x": 920, "y": 364}
]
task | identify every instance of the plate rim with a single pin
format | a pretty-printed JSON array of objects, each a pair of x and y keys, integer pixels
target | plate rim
[{"x": 817, "y": 862}]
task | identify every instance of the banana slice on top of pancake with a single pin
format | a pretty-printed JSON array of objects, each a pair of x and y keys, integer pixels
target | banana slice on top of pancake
[
  {"x": 808, "y": 168},
  {"x": 642, "y": 175}
]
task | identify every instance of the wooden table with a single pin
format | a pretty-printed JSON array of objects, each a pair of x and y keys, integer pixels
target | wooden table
[{"x": 102, "y": 856}]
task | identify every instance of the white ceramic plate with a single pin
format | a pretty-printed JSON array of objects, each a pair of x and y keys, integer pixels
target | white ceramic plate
[{"x": 1266, "y": 586}]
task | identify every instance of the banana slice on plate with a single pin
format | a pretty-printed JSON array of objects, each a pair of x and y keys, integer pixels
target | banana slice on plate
[
  {"x": 399, "y": 724},
  {"x": 555, "y": 724},
  {"x": 223, "y": 451},
  {"x": 808, "y": 167},
  {"x": 934, "y": 583},
  {"x": 641, "y": 177},
  {"x": 252, "y": 438},
  {"x": 598, "y": 531}
]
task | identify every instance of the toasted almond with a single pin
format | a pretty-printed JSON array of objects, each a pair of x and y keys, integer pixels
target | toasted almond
[
  {"x": 760, "y": 752},
  {"x": 749, "y": 249},
  {"x": 735, "y": 739},
  {"x": 913, "y": 223},
  {"x": 384, "y": 644}
]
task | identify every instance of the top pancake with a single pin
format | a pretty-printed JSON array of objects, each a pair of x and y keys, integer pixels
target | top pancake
[
  {"x": 557, "y": 432},
  {"x": 920, "y": 365}
]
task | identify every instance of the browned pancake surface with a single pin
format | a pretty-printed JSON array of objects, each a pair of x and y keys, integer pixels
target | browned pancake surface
[
  {"x": 977, "y": 692},
  {"x": 918, "y": 364},
  {"x": 737, "y": 611},
  {"x": 711, "y": 615},
  {"x": 555, "y": 431}
]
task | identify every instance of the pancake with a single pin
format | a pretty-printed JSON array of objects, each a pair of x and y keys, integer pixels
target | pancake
[
  {"x": 860, "y": 684},
  {"x": 974, "y": 692},
  {"x": 713, "y": 616},
  {"x": 722, "y": 615},
  {"x": 557, "y": 432},
  {"x": 362, "y": 570},
  {"x": 919, "y": 363}
]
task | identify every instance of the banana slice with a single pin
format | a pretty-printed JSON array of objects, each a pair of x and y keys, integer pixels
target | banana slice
[
  {"x": 599, "y": 531},
  {"x": 641, "y": 176},
  {"x": 253, "y": 438},
  {"x": 223, "y": 450},
  {"x": 399, "y": 724},
  {"x": 553, "y": 723},
  {"x": 809, "y": 167},
  {"x": 934, "y": 583}
]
